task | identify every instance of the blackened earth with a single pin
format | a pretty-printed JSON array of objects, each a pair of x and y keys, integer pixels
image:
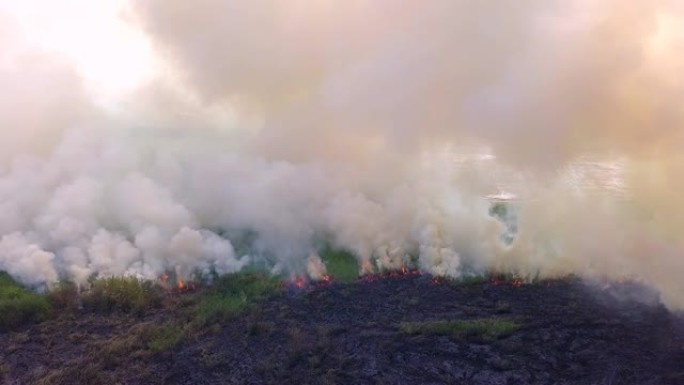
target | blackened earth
[{"x": 571, "y": 333}]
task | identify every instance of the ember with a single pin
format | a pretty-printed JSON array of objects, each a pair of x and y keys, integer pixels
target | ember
[
  {"x": 515, "y": 282},
  {"x": 369, "y": 278},
  {"x": 300, "y": 282},
  {"x": 181, "y": 285}
]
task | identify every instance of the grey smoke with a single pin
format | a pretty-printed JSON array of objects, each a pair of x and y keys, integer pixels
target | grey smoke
[{"x": 293, "y": 120}]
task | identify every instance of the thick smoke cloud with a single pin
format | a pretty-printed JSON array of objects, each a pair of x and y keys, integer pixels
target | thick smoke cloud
[
  {"x": 540, "y": 81},
  {"x": 33, "y": 119},
  {"x": 366, "y": 124}
]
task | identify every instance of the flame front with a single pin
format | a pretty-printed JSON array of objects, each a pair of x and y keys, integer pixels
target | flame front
[{"x": 300, "y": 282}]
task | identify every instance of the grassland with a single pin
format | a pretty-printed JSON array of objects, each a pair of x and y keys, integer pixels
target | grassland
[
  {"x": 341, "y": 265},
  {"x": 18, "y": 305}
]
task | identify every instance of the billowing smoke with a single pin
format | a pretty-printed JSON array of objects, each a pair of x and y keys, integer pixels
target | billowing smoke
[{"x": 375, "y": 126}]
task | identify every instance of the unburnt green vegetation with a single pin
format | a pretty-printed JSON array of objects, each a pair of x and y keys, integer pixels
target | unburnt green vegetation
[
  {"x": 19, "y": 305},
  {"x": 499, "y": 209},
  {"x": 341, "y": 265},
  {"x": 233, "y": 294},
  {"x": 486, "y": 329},
  {"x": 225, "y": 297}
]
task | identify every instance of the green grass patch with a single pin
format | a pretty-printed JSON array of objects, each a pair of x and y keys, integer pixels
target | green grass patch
[
  {"x": 232, "y": 294},
  {"x": 468, "y": 280},
  {"x": 125, "y": 294},
  {"x": 487, "y": 329},
  {"x": 248, "y": 285},
  {"x": 499, "y": 210},
  {"x": 217, "y": 308},
  {"x": 341, "y": 265},
  {"x": 19, "y": 305}
]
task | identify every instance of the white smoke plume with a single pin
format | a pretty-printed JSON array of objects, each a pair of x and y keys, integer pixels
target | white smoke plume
[{"x": 377, "y": 125}]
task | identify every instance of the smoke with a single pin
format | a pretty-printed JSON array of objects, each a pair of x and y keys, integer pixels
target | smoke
[
  {"x": 377, "y": 126},
  {"x": 539, "y": 81}
]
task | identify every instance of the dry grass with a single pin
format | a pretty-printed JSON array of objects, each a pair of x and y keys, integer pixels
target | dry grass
[{"x": 125, "y": 294}]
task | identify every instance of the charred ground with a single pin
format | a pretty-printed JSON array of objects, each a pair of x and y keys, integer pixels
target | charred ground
[{"x": 410, "y": 329}]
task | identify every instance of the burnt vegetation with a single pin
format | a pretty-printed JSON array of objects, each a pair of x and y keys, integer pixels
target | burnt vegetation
[
  {"x": 393, "y": 328},
  {"x": 488, "y": 329}
]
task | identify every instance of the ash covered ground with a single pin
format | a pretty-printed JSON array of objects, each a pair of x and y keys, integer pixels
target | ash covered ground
[{"x": 411, "y": 329}]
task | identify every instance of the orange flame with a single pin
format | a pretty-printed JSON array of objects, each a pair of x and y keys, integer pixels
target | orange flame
[
  {"x": 300, "y": 281},
  {"x": 181, "y": 284}
]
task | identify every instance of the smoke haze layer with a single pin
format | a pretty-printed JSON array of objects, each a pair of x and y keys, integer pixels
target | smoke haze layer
[{"x": 378, "y": 127}]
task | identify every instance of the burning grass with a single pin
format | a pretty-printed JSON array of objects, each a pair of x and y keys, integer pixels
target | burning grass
[
  {"x": 488, "y": 329},
  {"x": 19, "y": 305}
]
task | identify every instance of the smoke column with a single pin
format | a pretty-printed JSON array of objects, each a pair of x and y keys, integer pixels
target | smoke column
[{"x": 377, "y": 126}]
